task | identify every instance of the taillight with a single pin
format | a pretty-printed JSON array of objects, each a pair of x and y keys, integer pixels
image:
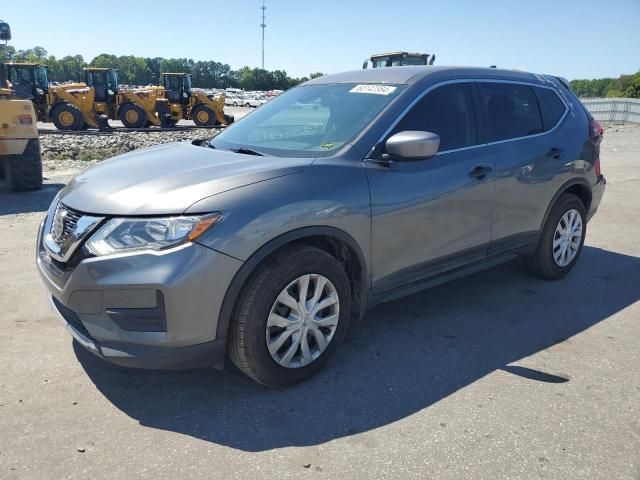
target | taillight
[
  {"x": 595, "y": 135},
  {"x": 26, "y": 120},
  {"x": 595, "y": 131}
]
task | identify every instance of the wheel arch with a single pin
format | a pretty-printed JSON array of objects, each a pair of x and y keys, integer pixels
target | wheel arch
[
  {"x": 577, "y": 186},
  {"x": 334, "y": 241}
]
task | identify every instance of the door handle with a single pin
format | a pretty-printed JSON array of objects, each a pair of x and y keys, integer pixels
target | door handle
[
  {"x": 481, "y": 171},
  {"x": 555, "y": 152}
]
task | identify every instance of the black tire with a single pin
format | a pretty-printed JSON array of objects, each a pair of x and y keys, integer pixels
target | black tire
[
  {"x": 203, "y": 116},
  {"x": 24, "y": 172},
  {"x": 235, "y": 104},
  {"x": 542, "y": 262},
  {"x": 66, "y": 116},
  {"x": 247, "y": 344},
  {"x": 137, "y": 117},
  {"x": 229, "y": 119}
]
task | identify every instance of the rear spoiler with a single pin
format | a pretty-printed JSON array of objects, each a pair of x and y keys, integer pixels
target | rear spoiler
[{"x": 564, "y": 82}]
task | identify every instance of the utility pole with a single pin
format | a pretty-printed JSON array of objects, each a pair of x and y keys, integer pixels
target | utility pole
[{"x": 263, "y": 25}]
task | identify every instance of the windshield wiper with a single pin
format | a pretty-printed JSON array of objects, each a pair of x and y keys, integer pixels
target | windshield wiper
[{"x": 246, "y": 151}]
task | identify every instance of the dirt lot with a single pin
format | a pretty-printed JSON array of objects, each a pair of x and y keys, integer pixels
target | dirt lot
[{"x": 498, "y": 375}]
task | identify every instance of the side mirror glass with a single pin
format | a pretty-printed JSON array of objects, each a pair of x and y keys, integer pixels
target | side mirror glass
[{"x": 413, "y": 145}]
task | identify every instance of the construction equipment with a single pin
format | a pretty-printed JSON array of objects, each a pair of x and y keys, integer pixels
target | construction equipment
[
  {"x": 135, "y": 108},
  {"x": 81, "y": 105},
  {"x": 20, "y": 160},
  {"x": 179, "y": 101},
  {"x": 397, "y": 59},
  {"x": 69, "y": 106}
]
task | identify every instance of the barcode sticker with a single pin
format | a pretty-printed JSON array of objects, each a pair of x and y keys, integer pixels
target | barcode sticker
[{"x": 374, "y": 89}]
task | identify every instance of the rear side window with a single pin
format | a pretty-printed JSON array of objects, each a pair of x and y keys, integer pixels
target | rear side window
[
  {"x": 551, "y": 107},
  {"x": 447, "y": 111},
  {"x": 511, "y": 110}
]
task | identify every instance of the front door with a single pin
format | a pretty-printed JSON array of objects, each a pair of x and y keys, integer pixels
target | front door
[{"x": 432, "y": 215}]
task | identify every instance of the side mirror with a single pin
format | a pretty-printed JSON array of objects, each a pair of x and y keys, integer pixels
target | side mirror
[{"x": 413, "y": 145}]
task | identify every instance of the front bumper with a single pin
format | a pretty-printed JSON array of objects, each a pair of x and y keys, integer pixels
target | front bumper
[{"x": 146, "y": 310}]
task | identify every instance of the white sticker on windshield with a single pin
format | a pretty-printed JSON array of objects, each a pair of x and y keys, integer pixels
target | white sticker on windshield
[{"x": 375, "y": 89}]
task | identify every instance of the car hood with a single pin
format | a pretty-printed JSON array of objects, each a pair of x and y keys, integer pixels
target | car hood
[{"x": 167, "y": 179}]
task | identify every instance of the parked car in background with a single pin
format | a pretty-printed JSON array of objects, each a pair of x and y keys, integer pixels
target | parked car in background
[
  {"x": 233, "y": 100},
  {"x": 269, "y": 242},
  {"x": 254, "y": 101}
]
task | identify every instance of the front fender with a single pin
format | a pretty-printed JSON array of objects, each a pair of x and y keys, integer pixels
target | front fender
[{"x": 327, "y": 194}]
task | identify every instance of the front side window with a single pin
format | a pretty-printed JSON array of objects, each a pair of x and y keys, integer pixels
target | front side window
[
  {"x": 511, "y": 110},
  {"x": 447, "y": 111},
  {"x": 310, "y": 120}
]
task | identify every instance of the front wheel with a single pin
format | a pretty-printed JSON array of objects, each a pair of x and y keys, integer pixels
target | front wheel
[
  {"x": 292, "y": 315},
  {"x": 133, "y": 116},
  {"x": 561, "y": 239},
  {"x": 203, "y": 116},
  {"x": 66, "y": 116}
]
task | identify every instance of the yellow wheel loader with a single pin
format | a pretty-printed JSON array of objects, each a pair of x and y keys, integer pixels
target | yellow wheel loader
[
  {"x": 81, "y": 105},
  {"x": 398, "y": 59},
  {"x": 20, "y": 161},
  {"x": 179, "y": 101}
]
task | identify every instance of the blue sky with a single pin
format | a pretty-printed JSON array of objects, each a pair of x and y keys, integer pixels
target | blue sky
[{"x": 572, "y": 38}]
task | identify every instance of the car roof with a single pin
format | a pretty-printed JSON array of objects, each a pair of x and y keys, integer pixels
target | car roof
[{"x": 411, "y": 74}]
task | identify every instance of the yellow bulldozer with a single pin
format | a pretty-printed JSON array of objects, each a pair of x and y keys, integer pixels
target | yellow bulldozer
[{"x": 177, "y": 101}]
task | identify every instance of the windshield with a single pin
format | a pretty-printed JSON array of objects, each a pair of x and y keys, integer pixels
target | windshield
[{"x": 308, "y": 121}]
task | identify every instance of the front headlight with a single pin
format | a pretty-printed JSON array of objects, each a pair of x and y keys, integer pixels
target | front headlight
[{"x": 121, "y": 235}]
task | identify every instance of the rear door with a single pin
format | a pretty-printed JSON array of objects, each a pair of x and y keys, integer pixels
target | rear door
[
  {"x": 525, "y": 158},
  {"x": 432, "y": 215}
]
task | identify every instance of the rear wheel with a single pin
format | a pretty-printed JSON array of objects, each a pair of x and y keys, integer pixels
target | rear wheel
[
  {"x": 204, "y": 116},
  {"x": 24, "y": 172},
  {"x": 133, "y": 116},
  {"x": 229, "y": 119},
  {"x": 561, "y": 239},
  {"x": 66, "y": 116},
  {"x": 291, "y": 316}
]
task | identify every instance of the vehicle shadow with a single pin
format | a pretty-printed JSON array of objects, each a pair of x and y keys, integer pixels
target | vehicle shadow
[
  {"x": 13, "y": 203},
  {"x": 406, "y": 355}
]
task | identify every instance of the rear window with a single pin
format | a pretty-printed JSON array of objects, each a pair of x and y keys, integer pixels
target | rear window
[
  {"x": 551, "y": 107},
  {"x": 511, "y": 111}
]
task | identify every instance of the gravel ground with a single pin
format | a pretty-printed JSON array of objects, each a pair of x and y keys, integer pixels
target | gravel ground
[
  {"x": 67, "y": 153},
  {"x": 498, "y": 375}
]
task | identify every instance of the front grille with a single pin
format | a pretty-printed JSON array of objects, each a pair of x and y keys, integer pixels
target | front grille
[
  {"x": 71, "y": 317},
  {"x": 64, "y": 222}
]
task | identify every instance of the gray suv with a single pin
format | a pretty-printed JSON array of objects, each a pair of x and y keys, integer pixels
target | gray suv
[{"x": 265, "y": 243}]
